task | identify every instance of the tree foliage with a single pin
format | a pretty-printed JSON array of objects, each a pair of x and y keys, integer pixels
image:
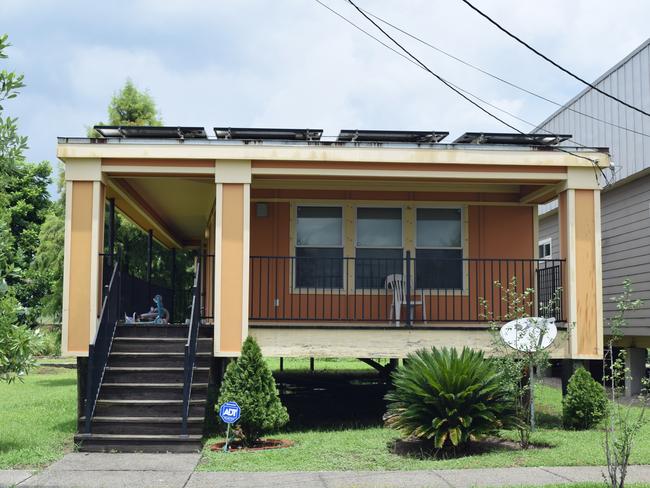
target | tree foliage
[
  {"x": 585, "y": 402},
  {"x": 130, "y": 106},
  {"x": 249, "y": 382},
  {"x": 20, "y": 211}
]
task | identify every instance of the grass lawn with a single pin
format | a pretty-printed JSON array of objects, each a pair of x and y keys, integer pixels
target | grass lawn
[
  {"x": 37, "y": 420},
  {"x": 590, "y": 484},
  {"x": 320, "y": 364},
  {"x": 365, "y": 448}
]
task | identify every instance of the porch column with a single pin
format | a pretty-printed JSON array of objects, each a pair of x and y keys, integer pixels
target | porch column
[
  {"x": 84, "y": 241},
  {"x": 231, "y": 249},
  {"x": 580, "y": 245}
]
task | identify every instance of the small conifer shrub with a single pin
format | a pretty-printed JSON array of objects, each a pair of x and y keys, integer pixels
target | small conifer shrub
[
  {"x": 249, "y": 382},
  {"x": 585, "y": 403}
]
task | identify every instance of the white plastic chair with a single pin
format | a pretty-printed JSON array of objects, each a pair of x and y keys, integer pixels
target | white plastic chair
[{"x": 395, "y": 283}]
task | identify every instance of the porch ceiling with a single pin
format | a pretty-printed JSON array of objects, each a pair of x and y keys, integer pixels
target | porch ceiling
[{"x": 181, "y": 205}]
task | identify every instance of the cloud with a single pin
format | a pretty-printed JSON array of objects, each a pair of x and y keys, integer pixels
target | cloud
[{"x": 292, "y": 63}]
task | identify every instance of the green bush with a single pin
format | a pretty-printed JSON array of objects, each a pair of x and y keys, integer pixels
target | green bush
[
  {"x": 49, "y": 342},
  {"x": 249, "y": 382},
  {"x": 449, "y": 398},
  {"x": 585, "y": 403}
]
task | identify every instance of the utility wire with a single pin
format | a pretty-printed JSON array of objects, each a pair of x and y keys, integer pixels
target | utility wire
[
  {"x": 463, "y": 93},
  {"x": 546, "y": 58},
  {"x": 438, "y": 77},
  {"x": 498, "y": 78}
]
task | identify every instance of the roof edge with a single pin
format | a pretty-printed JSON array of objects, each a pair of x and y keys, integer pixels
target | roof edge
[{"x": 582, "y": 93}]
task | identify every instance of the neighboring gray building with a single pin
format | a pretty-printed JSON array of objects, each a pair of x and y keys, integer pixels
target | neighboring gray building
[{"x": 625, "y": 201}]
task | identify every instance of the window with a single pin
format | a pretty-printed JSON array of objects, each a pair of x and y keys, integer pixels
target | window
[
  {"x": 439, "y": 249},
  {"x": 319, "y": 247},
  {"x": 378, "y": 246},
  {"x": 545, "y": 249}
]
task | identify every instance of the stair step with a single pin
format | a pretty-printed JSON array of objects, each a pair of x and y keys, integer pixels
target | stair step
[
  {"x": 137, "y": 330},
  {"x": 119, "y": 374},
  {"x": 147, "y": 408},
  {"x": 158, "y": 359},
  {"x": 137, "y": 443},
  {"x": 144, "y": 425},
  {"x": 150, "y": 391},
  {"x": 158, "y": 344}
]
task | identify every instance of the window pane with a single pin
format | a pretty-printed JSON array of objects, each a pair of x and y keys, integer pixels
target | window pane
[
  {"x": 371, "y": 267},
  {"x": 319, "y": 267},
  {"x": 438, "y": 227},
  {"x": 319, "y": 226},
  {"x": 439, "y": 269},
  {"x": 379, "y": 227}
]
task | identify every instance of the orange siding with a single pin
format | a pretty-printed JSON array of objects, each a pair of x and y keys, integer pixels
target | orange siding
[
  {"x": 401, "y": 196},
  {"x": 494, "y": 233}
]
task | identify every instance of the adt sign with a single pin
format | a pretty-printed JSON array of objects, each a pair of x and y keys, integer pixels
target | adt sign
[{"x": 230, "y": 412}]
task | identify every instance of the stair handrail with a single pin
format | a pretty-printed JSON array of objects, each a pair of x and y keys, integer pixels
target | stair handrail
[
  {"x": 100, "y": 347},
  {"x": 191, "y": 345}
]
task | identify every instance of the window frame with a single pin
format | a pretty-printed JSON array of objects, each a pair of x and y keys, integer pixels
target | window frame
[
  {"x": 380, "y": 204},
  {"x": 294, "y": 243},
  {"x": 464, "y": 235},
  {"x": 543, "y": 242}
]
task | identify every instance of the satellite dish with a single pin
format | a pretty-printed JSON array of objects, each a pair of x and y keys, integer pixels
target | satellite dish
[{"x": 529, "y": 334}]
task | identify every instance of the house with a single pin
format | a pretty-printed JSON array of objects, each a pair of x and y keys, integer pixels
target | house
[
  {"x": 625, "y": 201},
  {"x": 372, "y": 245}
]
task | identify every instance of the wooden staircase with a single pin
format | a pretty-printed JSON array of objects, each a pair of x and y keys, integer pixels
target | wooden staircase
[{"x": 139, "y": 407}]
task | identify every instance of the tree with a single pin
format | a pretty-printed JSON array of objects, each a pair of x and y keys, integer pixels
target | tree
[
  {"x": 17, "y": 341},
  {"x": 624, "y": 422},
  {"x": 48, "y": 261},
  {"x": 29, "y": 204},
  {"x": 249, "y": 382},
  {"x": 130, "y": 106}
]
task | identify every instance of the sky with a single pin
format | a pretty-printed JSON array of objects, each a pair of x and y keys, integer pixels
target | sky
[{"x": 292, "y": 63}]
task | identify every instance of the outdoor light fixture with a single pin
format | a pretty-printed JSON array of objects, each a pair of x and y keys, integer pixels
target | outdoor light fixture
[{"x": 261, "y": 209}]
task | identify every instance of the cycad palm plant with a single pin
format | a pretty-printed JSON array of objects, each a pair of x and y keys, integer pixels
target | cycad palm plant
[{"x": 449, "y": 398}]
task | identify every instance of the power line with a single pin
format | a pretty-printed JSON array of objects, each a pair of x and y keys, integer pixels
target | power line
[
  {"x": 546, "y": 58},
  {"x": 498, "y": 78},
  {"x": 461, "y": 92}
]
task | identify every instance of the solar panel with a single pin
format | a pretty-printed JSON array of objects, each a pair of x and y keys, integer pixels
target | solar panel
[
  {"x": 511, "y": 139},
  {"x": 151, "y": 132},
  {"x": 268, "y": 134},
  {"x": 420, "y": 137}
]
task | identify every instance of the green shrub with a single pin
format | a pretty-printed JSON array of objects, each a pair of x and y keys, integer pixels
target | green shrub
[
  {"x": 249, "y": 382},
  {"x": 449, "y": 398},
  {"x": 49, "y": 342},
  {"x": 585, "y": 403}
]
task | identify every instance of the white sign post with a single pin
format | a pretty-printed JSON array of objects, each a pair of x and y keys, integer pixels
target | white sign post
[{"x": 529, "y": 335}]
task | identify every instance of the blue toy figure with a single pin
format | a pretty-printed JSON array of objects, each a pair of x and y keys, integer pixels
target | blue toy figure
[{"x": 156, "y": 315}]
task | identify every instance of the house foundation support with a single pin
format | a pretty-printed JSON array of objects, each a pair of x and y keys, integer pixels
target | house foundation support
[{"x": 635, "y": 364}]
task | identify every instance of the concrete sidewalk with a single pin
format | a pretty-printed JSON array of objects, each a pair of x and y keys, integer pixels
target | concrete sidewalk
[{"x": 79, "y": 470}]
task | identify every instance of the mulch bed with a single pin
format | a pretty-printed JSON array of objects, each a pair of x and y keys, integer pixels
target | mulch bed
[
  {"x": 261, "y": 445},
  {"x": 424, "y": 449}
]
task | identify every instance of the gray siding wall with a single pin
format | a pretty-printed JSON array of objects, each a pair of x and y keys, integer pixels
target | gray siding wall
[
  {"x": 549, "y": 228},
  {"x": 626, "y": 248},
  {"x": 625, "y": 215},
  {"x": 629, "y": 81}
]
